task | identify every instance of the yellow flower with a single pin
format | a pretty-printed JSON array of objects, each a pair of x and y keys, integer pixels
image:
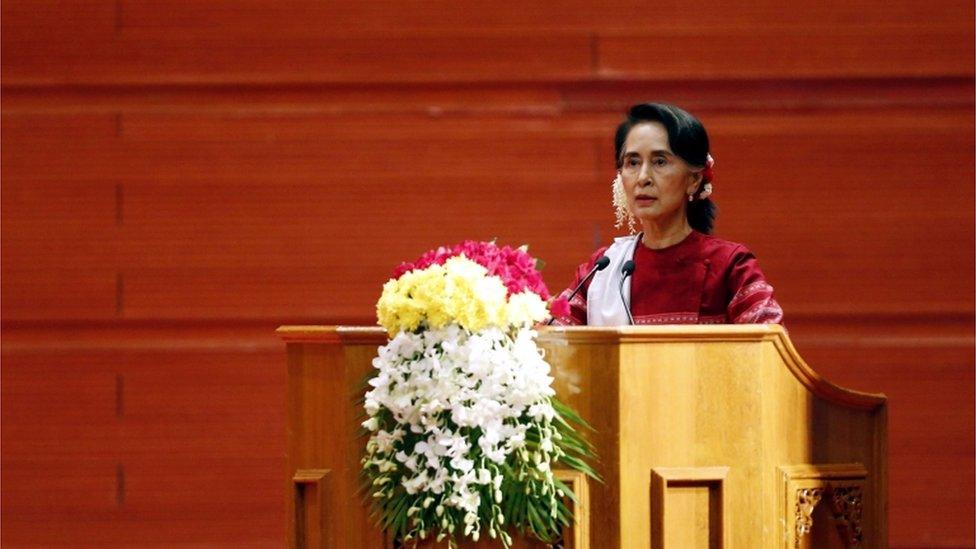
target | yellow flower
[
  {"x": 476, "y": 300},
  {"x": 459, "y": 291},
  {"x": 525, "y": 308},
  {"x": 396, "y": 310},
  {"x": 428, "y": 293}
]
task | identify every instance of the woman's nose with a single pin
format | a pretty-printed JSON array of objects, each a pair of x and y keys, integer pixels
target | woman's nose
[{"x": 644, "y": 177}]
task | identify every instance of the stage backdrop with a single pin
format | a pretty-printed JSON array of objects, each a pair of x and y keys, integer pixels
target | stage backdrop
[{"x": 179, "y": 178}]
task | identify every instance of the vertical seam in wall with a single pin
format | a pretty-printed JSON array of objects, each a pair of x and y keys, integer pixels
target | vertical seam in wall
[
  {"x": 119, "y": 17},
  {"x": 594, "y": 54}
]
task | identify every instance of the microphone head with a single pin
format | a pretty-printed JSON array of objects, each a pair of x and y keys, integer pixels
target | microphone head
[
  {"x": 628, "y": 267},
  {"x": 602, "y": 263}
]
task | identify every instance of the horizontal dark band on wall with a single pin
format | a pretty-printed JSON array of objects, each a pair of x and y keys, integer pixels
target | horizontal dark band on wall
[{"x": 523, "y": 98}]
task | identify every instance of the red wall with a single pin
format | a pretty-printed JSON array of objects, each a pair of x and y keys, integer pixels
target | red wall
[{"x": 179, "y": 178}]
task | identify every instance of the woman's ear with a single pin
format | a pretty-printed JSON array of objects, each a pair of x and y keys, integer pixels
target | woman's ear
[{"x": 696, "y": 182}]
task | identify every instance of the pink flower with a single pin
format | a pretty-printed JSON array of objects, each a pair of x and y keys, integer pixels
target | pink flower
[
  {"x": 433, "y": 257},
  {"x": 559, "y": 307},
  {"x": 515, "y": 267}
]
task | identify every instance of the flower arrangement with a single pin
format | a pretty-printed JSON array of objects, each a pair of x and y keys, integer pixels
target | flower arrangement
[{"x": 464, "y": 427}]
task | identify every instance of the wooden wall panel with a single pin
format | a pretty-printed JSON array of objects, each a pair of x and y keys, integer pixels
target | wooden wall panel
[
  {"x": 440, "y": 16},
  {"x": 147, "y": 42},
  {"x": 43, "y": 149},
  {"x": 38, "y": 488},
  {"x": 59, "y": 233},
  {"x": 145, "y": 55},
  {"x": 181, "y": 433},
  {"x": 37, "y": 292},
  {"x": 773, "y": 51},
  {"x": 36, "y": 421},
  {"x": 180, "y": 177},
  {"x": 230, "y": 204}
]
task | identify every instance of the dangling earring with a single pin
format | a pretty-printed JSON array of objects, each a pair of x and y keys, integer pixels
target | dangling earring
[
  {"x": 620, "y": 205},
  {"x": 706, "y": 191},
  {"x": 691, "y": 197}
]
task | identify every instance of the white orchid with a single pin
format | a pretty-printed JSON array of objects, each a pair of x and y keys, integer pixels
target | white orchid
[{"x": 462, "y": 404}]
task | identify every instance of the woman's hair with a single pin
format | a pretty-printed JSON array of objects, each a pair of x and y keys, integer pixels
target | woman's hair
[{"x": 687, "y": 139}]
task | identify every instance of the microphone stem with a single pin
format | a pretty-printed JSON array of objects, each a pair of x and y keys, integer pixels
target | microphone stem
[
  {"x": 630, "y": 317},
  {"x": 600, "y": 265}
]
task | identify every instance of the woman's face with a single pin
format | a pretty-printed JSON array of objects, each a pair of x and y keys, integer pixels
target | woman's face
[{"x": 657, "y": 182}]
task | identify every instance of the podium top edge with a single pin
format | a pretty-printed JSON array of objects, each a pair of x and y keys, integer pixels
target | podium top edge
[
  {"x": 626, "y": 335},
  {"x": 579, "y": 334}
]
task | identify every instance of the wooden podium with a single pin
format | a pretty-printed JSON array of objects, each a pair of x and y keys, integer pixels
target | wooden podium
[{"x": 709, "y": 436}]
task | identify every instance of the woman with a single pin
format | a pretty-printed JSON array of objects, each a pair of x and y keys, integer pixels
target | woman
[{"x": 680, "y": 273}]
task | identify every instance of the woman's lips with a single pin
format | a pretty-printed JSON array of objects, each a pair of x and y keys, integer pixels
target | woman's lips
[{"x": 645, "y": 199}]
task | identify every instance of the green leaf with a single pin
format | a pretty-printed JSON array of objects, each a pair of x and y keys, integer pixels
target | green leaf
[{"x": 540, "y": 528}]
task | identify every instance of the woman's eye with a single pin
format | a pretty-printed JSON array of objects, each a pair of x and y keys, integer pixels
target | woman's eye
[
  {"x": 633, "y": 162},
  {"x": 660, "y": 161}
]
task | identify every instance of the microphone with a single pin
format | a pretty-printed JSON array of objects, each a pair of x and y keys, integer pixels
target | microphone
[
  {"x": 599, "y": 266},
  {"x": 627, "y": 270}
]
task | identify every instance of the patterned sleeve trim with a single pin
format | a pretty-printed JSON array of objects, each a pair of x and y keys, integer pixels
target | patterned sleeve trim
[{"x": 754, "y": 304}]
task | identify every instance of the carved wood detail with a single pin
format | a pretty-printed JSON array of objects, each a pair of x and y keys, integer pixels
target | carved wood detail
[
  {"x": 806, "y": 501},
  {"x": 842, "y": 485},
  {"x": 847, "y": 505}
]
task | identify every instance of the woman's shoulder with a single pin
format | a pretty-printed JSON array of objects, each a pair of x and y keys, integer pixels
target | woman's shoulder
[{"x": 714, "y": 247}]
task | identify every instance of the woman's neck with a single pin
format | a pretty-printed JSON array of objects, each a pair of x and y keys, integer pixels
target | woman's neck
[{"x": 657, "y": 237}]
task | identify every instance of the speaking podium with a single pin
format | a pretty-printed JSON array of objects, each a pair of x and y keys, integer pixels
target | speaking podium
[{"x": 708, "y": 436}]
